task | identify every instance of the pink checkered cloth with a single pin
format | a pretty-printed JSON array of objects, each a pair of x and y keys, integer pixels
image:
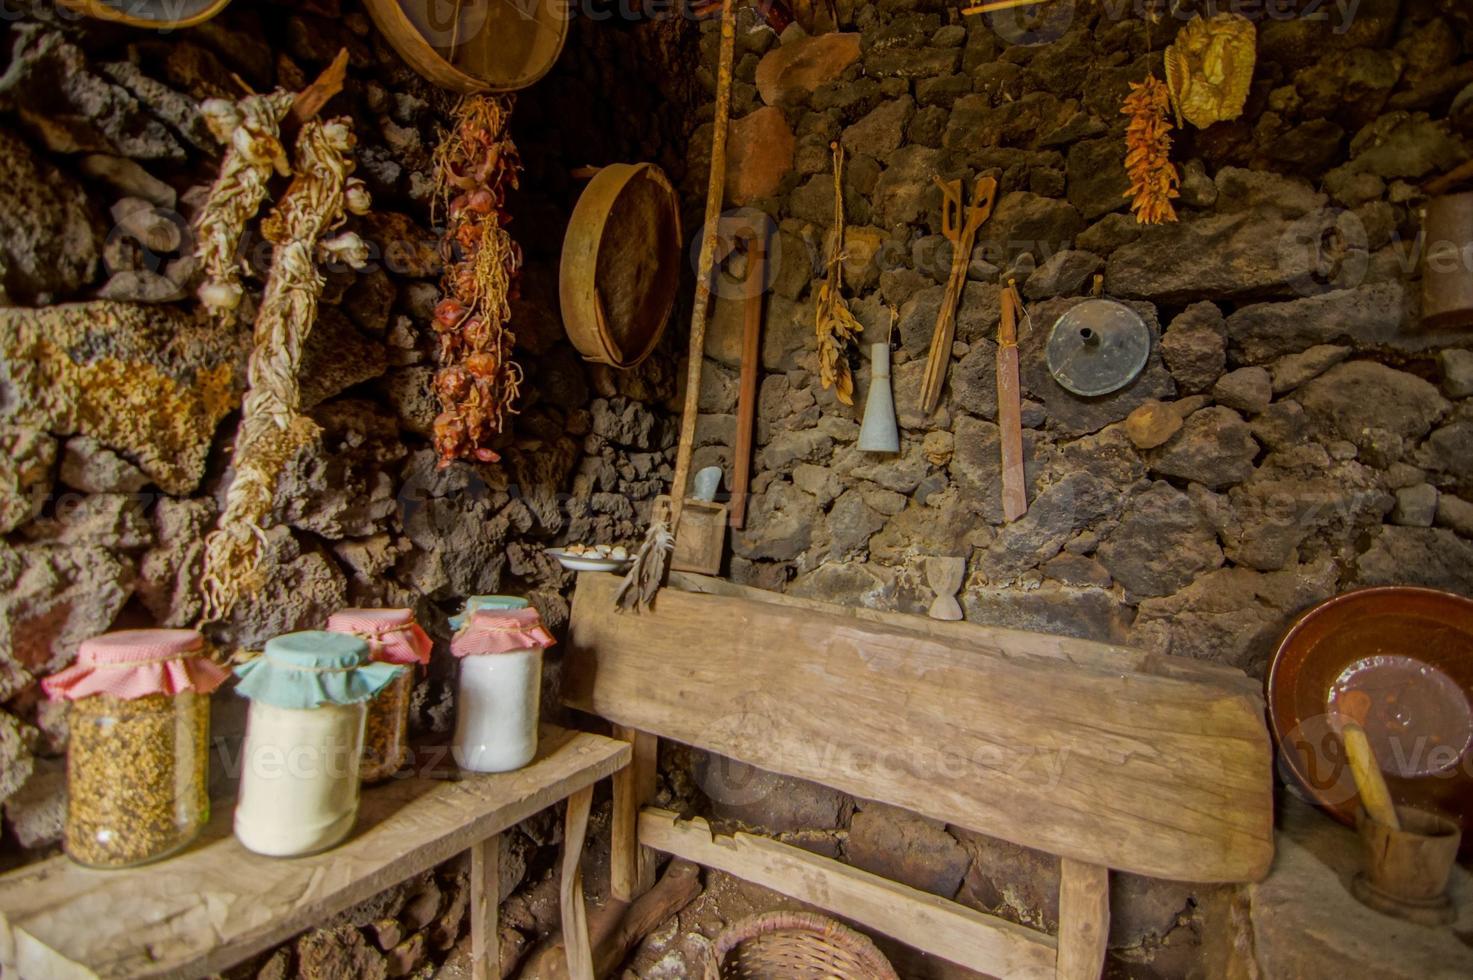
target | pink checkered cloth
[
  {"x": 132, "y": 664},
  {"x": 501, "y": 631},
  {"x": 392, "y": 635}
]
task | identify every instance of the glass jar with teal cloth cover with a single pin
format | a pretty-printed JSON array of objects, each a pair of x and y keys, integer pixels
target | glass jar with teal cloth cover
[
  {"x": 477, "y": 602},
  {"x": 311, "y": 668},
  {"x": 309, "y": 696}
]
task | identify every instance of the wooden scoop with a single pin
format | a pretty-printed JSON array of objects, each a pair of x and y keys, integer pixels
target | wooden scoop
[{"x": 1364, "y": 768}]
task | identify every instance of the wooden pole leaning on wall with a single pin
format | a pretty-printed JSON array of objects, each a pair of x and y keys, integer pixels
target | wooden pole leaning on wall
[
  {"x": 715, "y": 194},
  {"x": 755, "y": 293}
]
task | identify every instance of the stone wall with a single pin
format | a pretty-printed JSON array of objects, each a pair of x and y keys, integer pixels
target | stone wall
[
  {"x": 1295, "y": 433},
  {"x": 118, "y": 406}
]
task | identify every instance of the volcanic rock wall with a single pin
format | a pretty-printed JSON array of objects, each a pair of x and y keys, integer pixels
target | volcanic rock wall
[
  {"x": 118, "y": 404},
  {"x": 1295, "y": 432}
]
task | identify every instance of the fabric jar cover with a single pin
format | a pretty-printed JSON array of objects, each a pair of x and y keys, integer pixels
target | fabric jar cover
[
  {"x": 311, "y": 668},
  {"x": 392, "y": 635},
  {"x": 478, "y": 602},
  {"x": 501, "y": 631},
  {"x": 131, "y": 664}
]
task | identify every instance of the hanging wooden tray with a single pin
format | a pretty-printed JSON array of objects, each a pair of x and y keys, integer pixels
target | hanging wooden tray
[
  {"x": 1411, "y": 651},
  {"x": 475, "y": 45},
  {"x": 160, "y": 15},
  {"x": 621, "y": 264}
]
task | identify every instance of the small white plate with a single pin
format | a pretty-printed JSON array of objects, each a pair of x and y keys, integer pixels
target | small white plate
[{"x": 583, "y": 563}]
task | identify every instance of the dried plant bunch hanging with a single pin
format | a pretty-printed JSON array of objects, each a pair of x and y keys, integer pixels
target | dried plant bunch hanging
[
  {"x": 272, "y": 428},
  {"x": 477, "y": 384},
  {"x": 836, "y": 327},
  {"x": 1153, "y": 177},
  {"x": 250, "y": 129},
  {"x": 1209, "y": 68}
]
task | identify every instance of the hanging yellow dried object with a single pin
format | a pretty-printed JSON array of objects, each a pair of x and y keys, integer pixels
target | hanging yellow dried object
[
  {"x": 1153, "y": 177},
  {"x": 1209, "y": 68},
  {"x": 836, "y": 326}
]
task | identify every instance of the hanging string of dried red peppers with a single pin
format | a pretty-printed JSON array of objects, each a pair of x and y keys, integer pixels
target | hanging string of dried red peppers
[
  {"x": 1153, "y": 177},
  {"x": 477, "y": 384}
]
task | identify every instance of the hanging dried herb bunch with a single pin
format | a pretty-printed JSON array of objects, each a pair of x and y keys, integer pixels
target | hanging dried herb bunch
[
  {"x": 836, "y": 326},
  {"x": 475, "y": 166},
  {"x": 1153, "y": 177},
  {"x": 272, "y": 428},
  {"x": 250, "y": 130}
]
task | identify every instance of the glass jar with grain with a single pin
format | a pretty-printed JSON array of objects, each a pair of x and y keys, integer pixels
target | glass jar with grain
[
  {"x": 496, "y": 707},
  {"x": 309, "y": 693},
  {"x": 393, "y": 637},
  {"x": 138, "y": 753}
]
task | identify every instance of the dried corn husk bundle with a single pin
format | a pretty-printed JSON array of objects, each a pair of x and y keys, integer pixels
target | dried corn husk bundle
[
  {"x": 272, "y": 428},
  {"x": 836, "y": 326},
  {"x": 250, "y": 130},
  {"x": 1209, "y": 68},
  {"x": 477, "y": 383},
  {"x": 1153, "y": 177}
]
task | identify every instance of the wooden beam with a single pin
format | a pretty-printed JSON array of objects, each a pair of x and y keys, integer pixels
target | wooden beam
[
  {"x": 570, "y": 895},
  {"x": 1159, "y": 776},
  {"x": 631, "y": 867},
  {"x": 486, "y": 909},
  {"x": 1084, "y": 920},
  {"x": 934, "y": 925},
  {"x": 217, "y": 904}
]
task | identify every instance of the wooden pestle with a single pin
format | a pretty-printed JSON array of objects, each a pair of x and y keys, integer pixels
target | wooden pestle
[{"x": 1371, "y": 784}]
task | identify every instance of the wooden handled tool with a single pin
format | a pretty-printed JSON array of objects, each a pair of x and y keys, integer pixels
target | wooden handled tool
[
  {"x": 741, "y": 464},
  {"x": 960, "y": 225},
  {"x": 1010, "y": 407},
  {"x": 1369, "y": 782}
]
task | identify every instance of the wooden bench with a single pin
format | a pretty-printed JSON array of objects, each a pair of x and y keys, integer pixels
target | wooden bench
[
  {"x": 1103, "y": 756},
  {"x": 217, "y": 904}
]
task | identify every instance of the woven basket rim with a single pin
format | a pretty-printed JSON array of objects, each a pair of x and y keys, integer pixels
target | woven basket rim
[{"x": 821, "y": 926}]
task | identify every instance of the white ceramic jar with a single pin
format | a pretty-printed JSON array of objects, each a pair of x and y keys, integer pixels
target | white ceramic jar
[
  {"x": 500, "y": 689},
  {"x": 304, "y": 739}
]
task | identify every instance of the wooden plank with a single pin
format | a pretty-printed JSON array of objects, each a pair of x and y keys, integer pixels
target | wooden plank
[
  {"x": 570, "y": 896},
  {"x": 631, "y": 867},
  {"x": 756, "y": 289},
  {"x": 1084, "y": 919},
  {"x": 935, "y": 925},
  {"x": 216, "y": 904},
  {"x": 486, "y": 909},
  {"x": 998, "y": 641},
  {"x": 1155, "y": 775}
]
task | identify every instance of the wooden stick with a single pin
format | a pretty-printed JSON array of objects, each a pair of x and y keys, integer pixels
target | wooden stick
[
  {"x": 1010, "y": 408},
  {"x": 570, "y": 895},
  {"x": 715, "y": 192},
  {"x": 1084, "y": 919},
  {"x": 963, "y": 234},
  {"x": 1375, "y": 796},
  {"x": 485, "y": 909},
  {"x": 993, "y": 5},
  {"x": 1449, "y": 180},
  {"x": 310, "y": 100},
  {"x": 631, "y": 867},
  {"x": 741, "y": 465}
]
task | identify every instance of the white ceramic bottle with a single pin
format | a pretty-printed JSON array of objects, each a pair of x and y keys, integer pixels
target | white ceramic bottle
[
  {"x": 304, "y": 739},
  {"x": 497, "y": 706}
]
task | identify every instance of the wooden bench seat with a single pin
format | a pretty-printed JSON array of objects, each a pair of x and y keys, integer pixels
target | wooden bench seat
[{"x": 1106, "y": 757}]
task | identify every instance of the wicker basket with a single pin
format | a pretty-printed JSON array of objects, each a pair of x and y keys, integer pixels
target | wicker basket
[{"x": 795, "y": 946}]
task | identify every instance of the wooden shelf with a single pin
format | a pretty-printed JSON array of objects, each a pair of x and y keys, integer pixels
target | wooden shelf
[{"x": 217, "y": 903}]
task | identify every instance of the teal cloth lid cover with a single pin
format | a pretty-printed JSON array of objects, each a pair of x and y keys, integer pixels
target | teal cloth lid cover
[
  {"x": 312, "y": 668},
  {"x": 472, "y": 603}
]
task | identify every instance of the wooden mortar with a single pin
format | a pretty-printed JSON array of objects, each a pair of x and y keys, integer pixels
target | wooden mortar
[{"x": 1407, "y": 870}]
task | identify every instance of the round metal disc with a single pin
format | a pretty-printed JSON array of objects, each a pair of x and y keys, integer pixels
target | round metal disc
[{"x": 1098, "y": 347}]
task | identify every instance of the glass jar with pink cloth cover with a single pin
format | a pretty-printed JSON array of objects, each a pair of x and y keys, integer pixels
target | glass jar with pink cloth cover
[
  {"x": 393, "y": 637},
  {"x": 138, "y": 755},
  {"x": 497, "y": 706}
]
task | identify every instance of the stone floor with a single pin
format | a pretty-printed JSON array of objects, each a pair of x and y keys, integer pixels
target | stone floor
[{"x": 1306, "y": 924}]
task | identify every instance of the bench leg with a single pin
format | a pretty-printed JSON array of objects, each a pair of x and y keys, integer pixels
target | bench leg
[
  {"x": 1084, "y": 920},
  {"x": 631, "y": 867},
  {"x": 485, "y": 909},
  {"x": 575, "y": 914}
]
